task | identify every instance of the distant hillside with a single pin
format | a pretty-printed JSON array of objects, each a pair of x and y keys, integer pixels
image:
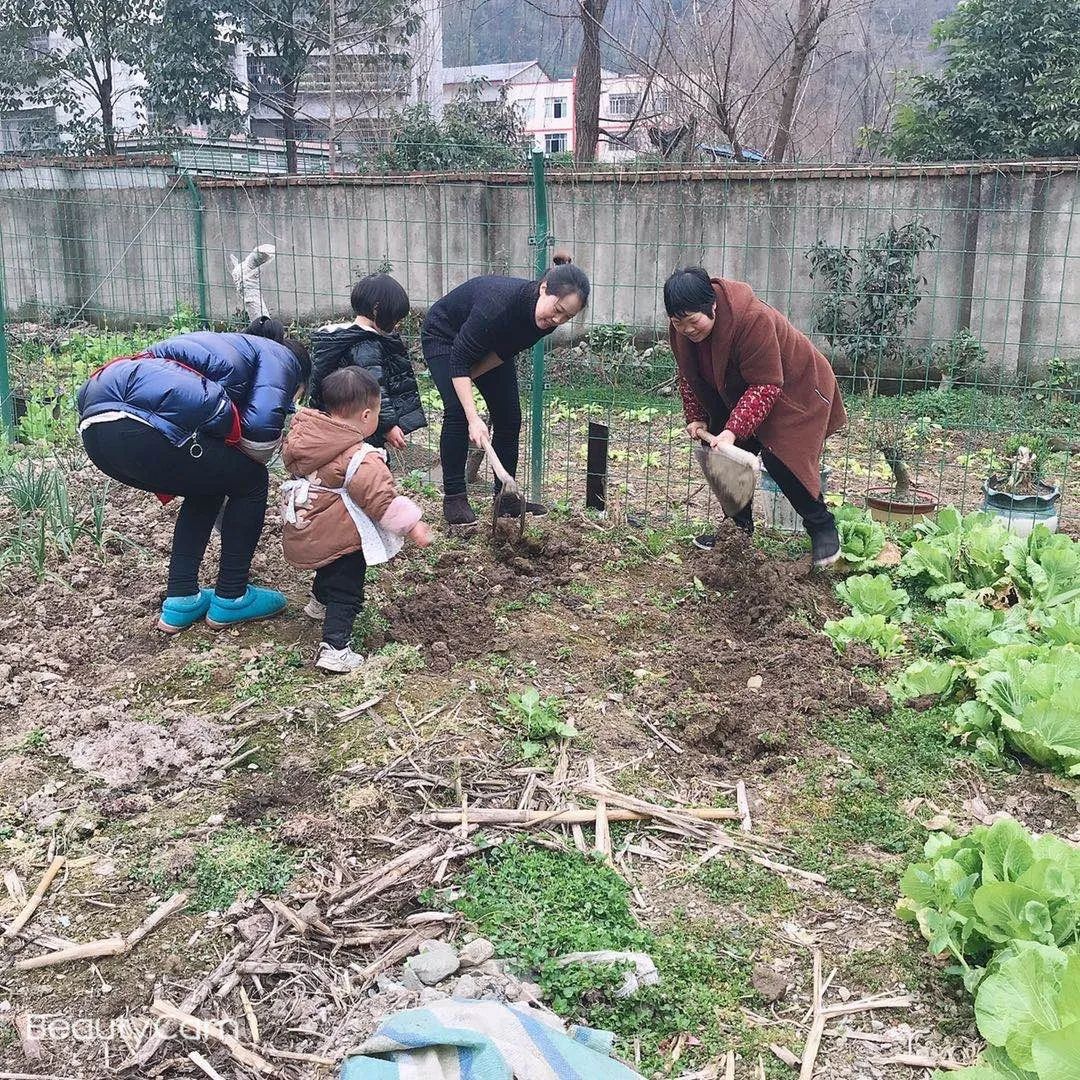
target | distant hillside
[
  {"x": 491, "y": 31},
  {"x": 852, "y": 85}
]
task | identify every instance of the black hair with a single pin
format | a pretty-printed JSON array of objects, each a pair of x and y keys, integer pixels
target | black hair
[
  {"x": 688, "y": 291},
  {"x": 265, "y": 327},
  {"x": 382, "y": 299},
  {"x": 564, "y": 278},
  {"x": 349, "y": 389},
  {"x": 272, "y": 330},
  {"x": 299, "y": 350}
]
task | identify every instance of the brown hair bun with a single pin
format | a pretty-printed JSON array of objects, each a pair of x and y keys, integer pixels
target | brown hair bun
[{"x": 561, "y": 258}]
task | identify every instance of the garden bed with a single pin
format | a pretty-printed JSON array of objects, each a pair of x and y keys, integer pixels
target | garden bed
[{"x": 224, "y": 765}]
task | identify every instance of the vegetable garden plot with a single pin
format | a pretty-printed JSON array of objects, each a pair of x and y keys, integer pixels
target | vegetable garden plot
[{"x": 680, "y": 672}]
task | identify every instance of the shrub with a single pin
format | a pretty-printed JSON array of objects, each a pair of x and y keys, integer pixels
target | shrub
[
  {"x": 959, "y": 358},
  {"x": 865, "y": 299}
]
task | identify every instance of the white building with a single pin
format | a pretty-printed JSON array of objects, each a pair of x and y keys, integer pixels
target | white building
[
  {"x": 37, "y": 127},
  {"x": 547, "y": 105},
  {"x": 365, "y": 85},
  {"x": 369, "y": 86}
]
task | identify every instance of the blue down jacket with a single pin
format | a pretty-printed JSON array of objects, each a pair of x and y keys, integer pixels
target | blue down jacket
[{"x": 223, "y": 385}]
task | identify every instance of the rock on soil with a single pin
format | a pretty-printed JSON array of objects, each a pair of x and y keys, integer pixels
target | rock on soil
[
  {"x": 769, "y": 983},
  {"x": 476, "y": 952},
  {"x": 465, "y": 987},
  {"x": 436, "y": 961}
]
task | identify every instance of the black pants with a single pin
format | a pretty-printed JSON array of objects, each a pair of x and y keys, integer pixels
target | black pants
[
  {"x": 499, "y": 389},
  {"x": 137, "y": 455},
  {"x": 340, "y": 586},
  {"x": 815, "y": 513}
]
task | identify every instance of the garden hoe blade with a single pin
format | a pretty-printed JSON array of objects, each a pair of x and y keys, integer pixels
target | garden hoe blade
[
  {"x": 509, "y": 489},
  {"x": 731, "y": 474}
]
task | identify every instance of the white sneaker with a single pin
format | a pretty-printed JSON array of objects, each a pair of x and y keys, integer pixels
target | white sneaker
[
  {"x": 314, "y": 610},
  {"x": 340, "y": 661}
]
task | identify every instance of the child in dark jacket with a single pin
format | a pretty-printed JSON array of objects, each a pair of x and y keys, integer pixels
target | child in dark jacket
[
  {"x": 340, "y": 510},
  {"x": 371, "y": 342}
]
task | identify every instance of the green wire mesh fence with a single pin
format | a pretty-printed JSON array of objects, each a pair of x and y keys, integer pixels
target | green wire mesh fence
[{"x": 947, "y": 297}]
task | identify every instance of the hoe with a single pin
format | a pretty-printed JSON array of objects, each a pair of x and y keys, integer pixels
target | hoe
[
  {"x": 509, "y": 489},
  {"x": 731, "y": 473}
]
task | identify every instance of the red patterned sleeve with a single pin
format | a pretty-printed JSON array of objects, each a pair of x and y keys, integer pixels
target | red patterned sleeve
[
  {"x": 692, "y": 407},
  {"x": 751, "y": 409}
]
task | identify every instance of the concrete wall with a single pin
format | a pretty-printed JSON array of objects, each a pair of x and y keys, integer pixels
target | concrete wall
[
  {"x": 109, "y": 245},
  {"x": 119, "y": 242}
]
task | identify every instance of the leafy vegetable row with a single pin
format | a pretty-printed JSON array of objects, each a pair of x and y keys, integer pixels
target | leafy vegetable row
[
  {"x": 1005, "y": 905},
  {"x": 1006, "y": 647}
]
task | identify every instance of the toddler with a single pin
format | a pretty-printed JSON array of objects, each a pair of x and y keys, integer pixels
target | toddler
[{"x": 340, "y": 510}]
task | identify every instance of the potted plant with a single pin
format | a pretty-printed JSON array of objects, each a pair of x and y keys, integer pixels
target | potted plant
[
  {"x": 904, "y": 502},
  {"x": 958, "y": 358},
  {"x": 1016, "y": 493}
]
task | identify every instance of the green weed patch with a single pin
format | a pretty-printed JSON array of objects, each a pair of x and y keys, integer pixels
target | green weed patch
[
  {"x": 536, "y": 905},
  {"x": 239, "y": 860}
]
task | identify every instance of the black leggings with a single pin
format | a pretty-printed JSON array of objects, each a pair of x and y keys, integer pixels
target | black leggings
[
  {"x": 141, "y": 457},
  {"x": 499, "y": 389},
  {"x": 340, "y": 586}
]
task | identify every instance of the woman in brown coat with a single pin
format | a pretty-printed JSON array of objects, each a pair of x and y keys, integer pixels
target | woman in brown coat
[{"x": 748, "y": 377}]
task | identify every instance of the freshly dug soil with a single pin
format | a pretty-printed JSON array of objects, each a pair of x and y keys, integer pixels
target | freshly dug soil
[
  {"x": 755, "y": 676},
  {"x": 756, "y": 591},
  {"x": 448, "y": 610},
  {"x": 296, "y": 788},
  {"x": 748, "y": 675},
  {"x": 801, "y": 677}
]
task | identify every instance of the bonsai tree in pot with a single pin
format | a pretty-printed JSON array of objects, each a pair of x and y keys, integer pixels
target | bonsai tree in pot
[
  {"x": 1016, "y": 491},
  {"x": 904, "y": 501}
]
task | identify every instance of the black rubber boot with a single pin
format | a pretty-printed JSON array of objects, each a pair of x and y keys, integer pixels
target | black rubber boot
[
  {"x": 825, "y": 545},
  {"x": 457, "y": 511}
]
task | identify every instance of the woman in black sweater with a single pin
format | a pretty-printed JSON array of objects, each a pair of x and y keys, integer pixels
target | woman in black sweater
[{"x": 472, "y": 335}]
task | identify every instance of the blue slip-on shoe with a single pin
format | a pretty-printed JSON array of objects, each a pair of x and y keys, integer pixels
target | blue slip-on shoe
[
  {"x": 180, "y": 612},
  {"x": 255, "y": 604}
]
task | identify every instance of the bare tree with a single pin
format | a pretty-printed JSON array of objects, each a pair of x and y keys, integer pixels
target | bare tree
[
  {"x": 587, "y": 81},
  {"x": 292, "y": 36},
  {"x": 804, "y": 39},
  {"x": 748, "y": 73},
  {"x": 761, "y": 78}
]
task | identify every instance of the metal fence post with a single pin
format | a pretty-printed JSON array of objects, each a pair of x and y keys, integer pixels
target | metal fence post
[
  {"x": 200, "y": 251},
  {"x": 540, "y": 239},
  {"x": 7, "y": 402}
]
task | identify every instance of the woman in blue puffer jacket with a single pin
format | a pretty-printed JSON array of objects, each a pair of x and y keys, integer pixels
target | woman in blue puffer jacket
[{"x": 198, "y": 416}]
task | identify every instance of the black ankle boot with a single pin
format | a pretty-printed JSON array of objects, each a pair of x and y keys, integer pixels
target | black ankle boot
[
  {"x": 457, "y": 511},
  {"x": 825, "y": 545}
]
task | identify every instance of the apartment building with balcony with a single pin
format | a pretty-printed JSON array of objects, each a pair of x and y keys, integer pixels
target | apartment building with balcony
[{"x": 361, "y": 90}]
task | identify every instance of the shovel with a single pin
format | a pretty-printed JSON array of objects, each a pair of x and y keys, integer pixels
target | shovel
[
  {"x": 510, "y": 488},
  {"x": 731, "y": 474}
]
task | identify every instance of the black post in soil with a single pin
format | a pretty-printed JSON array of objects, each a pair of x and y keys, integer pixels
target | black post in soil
[{"x": 596, "y": 467}]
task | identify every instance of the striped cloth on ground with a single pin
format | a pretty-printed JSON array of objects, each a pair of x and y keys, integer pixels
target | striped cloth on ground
[{"x": 483, "y": 1040}]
